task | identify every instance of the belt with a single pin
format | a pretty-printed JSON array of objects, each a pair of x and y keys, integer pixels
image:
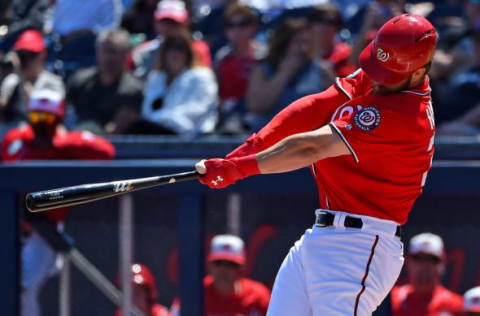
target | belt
[{"x": 325, "y": 219}]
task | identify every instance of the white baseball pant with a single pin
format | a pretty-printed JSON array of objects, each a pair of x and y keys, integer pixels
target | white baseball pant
[
  {"x": 38, "y": 265},
  {"x": 338, "y": 271}
]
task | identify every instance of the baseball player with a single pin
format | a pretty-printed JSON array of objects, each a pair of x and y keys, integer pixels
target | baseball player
[
  {"x": 424, "y": 295},
  {"x": 227, "y": 292},
  {"x": 369, "y": 142},
  {"x": 145, "y": 292},
  {"x": 471, "y": 303},
  {"x": 44, "y": 138}
]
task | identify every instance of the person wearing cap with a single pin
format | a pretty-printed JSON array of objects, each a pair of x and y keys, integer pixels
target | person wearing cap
[
  {"x": 227, "y": 292},
  {"x": 471, "y": 302},
  {"x": 144, "y": 292},
  {"x": 30, "y": 51},
  {"x": 169, "y": 16},
  {"x": 424, "y": 295},
  {"x": 368, "y": 140},
  {"x": 44, "y": 138}
]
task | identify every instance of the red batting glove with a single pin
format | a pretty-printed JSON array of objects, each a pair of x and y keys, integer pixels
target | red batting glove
[{"x": 224, "y": 172}]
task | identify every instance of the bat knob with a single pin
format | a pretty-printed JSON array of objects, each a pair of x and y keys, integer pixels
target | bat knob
[{"x": 30, "y": 203}]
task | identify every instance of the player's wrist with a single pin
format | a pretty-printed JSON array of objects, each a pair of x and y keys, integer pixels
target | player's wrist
[{"x": 247, "y": 165}]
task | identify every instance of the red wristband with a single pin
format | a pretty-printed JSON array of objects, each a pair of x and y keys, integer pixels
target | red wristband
[{"x": 246, "y": 165}]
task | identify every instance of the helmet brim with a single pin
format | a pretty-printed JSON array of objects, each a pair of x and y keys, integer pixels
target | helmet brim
[{"x": 375, "y": 70}]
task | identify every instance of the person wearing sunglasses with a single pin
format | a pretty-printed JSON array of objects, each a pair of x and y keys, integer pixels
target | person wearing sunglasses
[
  {"x": 235, "y": 61},
  {"x": 44, "y": 138},
  {"x": 227, "y": 292},
  {"x": 424, "y": 295}
]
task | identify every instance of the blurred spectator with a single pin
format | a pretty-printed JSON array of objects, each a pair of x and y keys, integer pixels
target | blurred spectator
[
  {"x": 234, "y": 62},
  {"x": 369, "y": 19},
  {"x": 22, "y": 15},
  {"x": 139, "y": 18},
  {"x": 424, "y": 295},
  {"x": 288, "y": 73},
  {"x": 227, "y": 293},
  {"x": 471, "y": 302},
  {"x": 145, "y": 292},
  {"x": 449, "y": 60},
  {"x": 44, "y": 138},
  {"x": 106, "y": 98},
  {"x": 29, "y": 57},
  {"x": 170, "y": 16},
  {"x": 325, "y": 22},
  {"x": 180, "y": 97},
  {"x": 458, "y": 113},
  {"x": 94, "y": 15}
]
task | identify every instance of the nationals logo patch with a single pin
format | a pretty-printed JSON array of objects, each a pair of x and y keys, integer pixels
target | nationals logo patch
[{"x": 367, "y": 118}]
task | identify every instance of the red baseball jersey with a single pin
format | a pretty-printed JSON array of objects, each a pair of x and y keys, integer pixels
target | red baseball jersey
[
  {"x": 441, "y": 302},
  {"x": 157, "y": 310},
  {"x": 390, "y": 138},
  {"x": 233, "y": 74},
  {"x": 18, "y": 145},
  {"x": 251, "y": 300}
]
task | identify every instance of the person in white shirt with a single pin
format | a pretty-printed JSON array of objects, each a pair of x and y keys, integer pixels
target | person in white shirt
[{"x": 180, "y": 97}]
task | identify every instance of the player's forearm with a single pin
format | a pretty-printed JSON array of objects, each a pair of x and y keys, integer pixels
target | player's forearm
[
  {"x": 300, "y": 150},
  {"x": 290, "y": 154}
]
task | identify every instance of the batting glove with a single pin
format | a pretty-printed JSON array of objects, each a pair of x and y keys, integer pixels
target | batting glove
[{"x": 220, "y": 173}]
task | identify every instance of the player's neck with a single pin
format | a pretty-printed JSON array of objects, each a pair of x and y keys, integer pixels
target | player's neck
[
  {"x": 426, "y": 289},
  {"x": 227, "y": 289}
]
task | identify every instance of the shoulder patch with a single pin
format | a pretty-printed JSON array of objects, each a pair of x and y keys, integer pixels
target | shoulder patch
[
  {"x": 14, "y": 147},
  {"x": 367, "y": 118}
]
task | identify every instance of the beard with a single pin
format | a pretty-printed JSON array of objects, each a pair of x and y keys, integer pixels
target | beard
[
  {"x": 382, "y": 89},
  {"x": 44, "y": 131}
]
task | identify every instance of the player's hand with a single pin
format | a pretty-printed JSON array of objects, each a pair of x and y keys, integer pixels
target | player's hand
[{"x": 218, "y": 173}]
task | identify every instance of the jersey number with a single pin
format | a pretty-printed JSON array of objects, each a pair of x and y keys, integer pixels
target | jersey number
[{"x": 431, "y": 120}]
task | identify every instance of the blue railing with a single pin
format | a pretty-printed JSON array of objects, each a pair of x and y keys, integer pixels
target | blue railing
[{"x": 450, "y": 179}]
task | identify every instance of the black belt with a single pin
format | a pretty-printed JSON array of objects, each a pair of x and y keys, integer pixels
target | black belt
[{"x": 325, "y": 219}]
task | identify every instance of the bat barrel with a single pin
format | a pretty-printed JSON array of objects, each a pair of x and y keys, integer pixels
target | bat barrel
[{"x": 80, "y": 194}]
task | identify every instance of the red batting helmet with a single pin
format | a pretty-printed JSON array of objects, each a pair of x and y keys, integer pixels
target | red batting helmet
[
  {"x": 142, "y": 275},
  {"x": 402, "y": 45}
]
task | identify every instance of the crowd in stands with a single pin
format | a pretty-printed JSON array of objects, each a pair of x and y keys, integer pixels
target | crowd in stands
[
  {"x": 204, "y": 67},
  {"x": 214, "y": 67}
]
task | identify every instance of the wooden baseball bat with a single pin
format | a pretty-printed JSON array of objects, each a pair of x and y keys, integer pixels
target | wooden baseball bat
[{"x": 84, "y": 193}]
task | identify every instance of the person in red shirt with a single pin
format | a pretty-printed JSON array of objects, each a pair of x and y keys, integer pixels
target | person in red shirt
[
  {"x": 234, "y": 63},
  {"x": 144, "y": 291},
  {"x": 227, "y": 293},
  {"x": 44, "y": 138},
  {"x": 369, "y": 142},
  {"x": 471, "y": 302},
  {"x": 325, "y": 22},
  {"x": 424, "y": 295}
]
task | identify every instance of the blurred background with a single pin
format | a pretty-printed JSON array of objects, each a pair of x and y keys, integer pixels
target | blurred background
[{"x": 149, "y": 87}]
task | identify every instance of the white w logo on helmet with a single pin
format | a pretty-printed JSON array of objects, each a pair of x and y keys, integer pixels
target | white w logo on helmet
[{"x": 382, "y": 55}]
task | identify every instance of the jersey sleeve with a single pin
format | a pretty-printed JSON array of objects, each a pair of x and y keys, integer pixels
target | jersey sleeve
[
  {"x": 305, "y": 114},
  {"x": 375, "y": 130}
]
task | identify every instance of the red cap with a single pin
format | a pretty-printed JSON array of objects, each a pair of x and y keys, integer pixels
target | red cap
[
  {"x": 142, "y": 275},
  {"x": 171, "y": 9},
  {"x": 30, "y": 40},
  {"x": 402, "y": 45}
]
